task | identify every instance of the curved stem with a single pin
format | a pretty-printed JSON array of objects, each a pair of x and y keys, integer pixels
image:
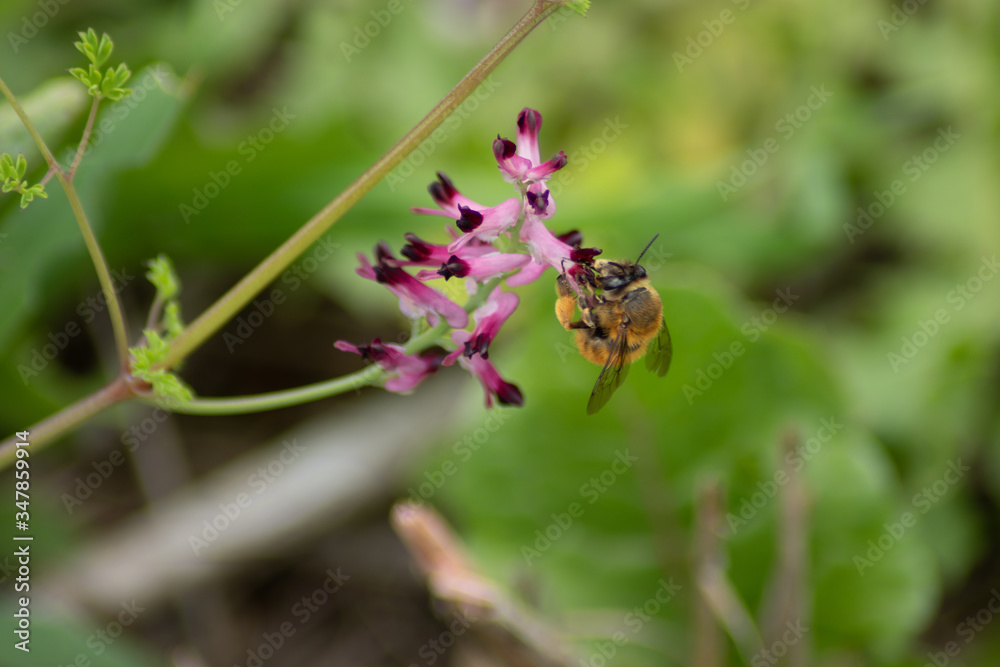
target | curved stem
[
  {"x": 47, "y": 430},
  {"x": 279, "y": 399},
  {"x": 313, "y": 392},
  {"x": 240, "y": 294},
  {"x": 103, "y": 273},
  {"x": 96, "y": 256},
  {"x": 85, "y": 139}
]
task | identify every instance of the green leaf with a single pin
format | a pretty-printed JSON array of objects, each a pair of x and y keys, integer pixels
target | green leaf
[
  {"x": 168, "y": 386},
  {"x": 81, "y": 75},
  {"x": 104, "y": 49},
  {"x": 87, "y": 43},
  {"x": 581, "y": 7},
  {"x": 21, "y": 166},
  {"x": 28, "y": 194},
  {"x": 7, "y": 170},
  {"x": 114, "y": 79},
  {"x": 161, "y": 273},
  {"x": 165, "y": 384},
  {"x": 96, "y": 50}
]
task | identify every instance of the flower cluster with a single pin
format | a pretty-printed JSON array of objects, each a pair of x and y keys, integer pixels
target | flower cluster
[{"x": 507, "y": 243}]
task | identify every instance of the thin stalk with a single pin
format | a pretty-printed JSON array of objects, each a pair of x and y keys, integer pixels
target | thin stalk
[
  {"x": 85, "y": 139},
  {"x": 96, "y": 256},
  {"x": 313, "y": 392},
  {"x": 103, "y": 274},
  {"x": 47, "y": 430},
  {"x": 279, "y": 399},
  {"x": 239, "y": 295}
]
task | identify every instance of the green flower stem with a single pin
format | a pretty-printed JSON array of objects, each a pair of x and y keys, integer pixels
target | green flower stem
[
  {"x": 433, "y": 335},
  {"x": 96, "y": 256},
  {"x": 313, "y": 392},
  {"x": 279, "y": 399},
  {"x": 254, "y": 282},
  {"x": 49, "y": 429},
  {"x": 85, "y": 139}
]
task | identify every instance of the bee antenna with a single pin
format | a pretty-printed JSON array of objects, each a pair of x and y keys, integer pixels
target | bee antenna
[{"x": 646, "y": 248}]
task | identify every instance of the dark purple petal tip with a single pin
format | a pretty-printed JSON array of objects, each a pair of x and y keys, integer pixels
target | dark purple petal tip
[
  {"x": 509, "y": 394},
  {"x": 529, "y": 120},
  {"x": 416, "y": 250},
  {"x": 454, "y": 268},
  {"x": 479, "y": 345},
  {"x": 538, "y": 202},
  {"x": 382, "y": 252},
  {"x": 584, "y": 255},
  {"x": 442, "y": 190},
  {"x": 573, "y": 237},
  {"x": 504, "y": 149},
  {"x": 470, "y": 219}
]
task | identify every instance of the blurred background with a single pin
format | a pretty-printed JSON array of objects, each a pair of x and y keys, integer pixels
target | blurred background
[{"x": 814, "y": 483}]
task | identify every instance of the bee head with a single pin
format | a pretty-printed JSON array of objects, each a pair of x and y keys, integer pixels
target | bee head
[{"x": 615, "y": 276}]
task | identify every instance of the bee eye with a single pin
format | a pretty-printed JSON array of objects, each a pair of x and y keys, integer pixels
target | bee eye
[{"x": 612, "y": 282}]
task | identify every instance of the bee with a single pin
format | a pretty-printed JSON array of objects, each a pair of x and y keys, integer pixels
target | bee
[{"x": 617, "y": 325}]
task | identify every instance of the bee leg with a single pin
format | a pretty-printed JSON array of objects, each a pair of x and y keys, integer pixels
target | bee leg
[{"x": 563, "y": 290}]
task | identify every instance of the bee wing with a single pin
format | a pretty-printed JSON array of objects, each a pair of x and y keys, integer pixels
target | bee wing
[
  {"x": 613, "y": 374},
  {"x": 660, "y": 352}
]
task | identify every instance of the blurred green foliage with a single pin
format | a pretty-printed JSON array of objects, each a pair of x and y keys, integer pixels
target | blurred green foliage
[{"x": 842, "y": 153}]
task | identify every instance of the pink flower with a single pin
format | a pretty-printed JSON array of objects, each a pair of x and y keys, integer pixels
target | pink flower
[
  {"x": 406, "y": 371},
  {"x": 477, "y": 222},
  {"x": 472, "y": 351},
  {"x": 528, "y": 250},
  {"x": 494, "y": 385},
  {"x": 521, "y": 162},
  {"x": 480, "y": 268},
  {"x": 489, "y": 318},
  {"x": 422, "y": 253},
  {"x": 415, "y": 298}
]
